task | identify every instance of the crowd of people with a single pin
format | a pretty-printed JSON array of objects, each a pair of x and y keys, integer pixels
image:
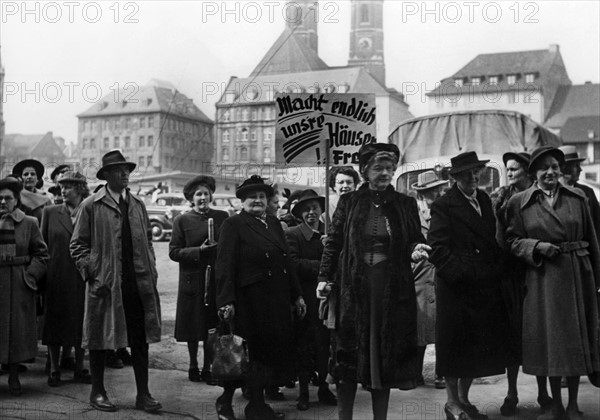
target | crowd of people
[{"x": 495, "y": 282}]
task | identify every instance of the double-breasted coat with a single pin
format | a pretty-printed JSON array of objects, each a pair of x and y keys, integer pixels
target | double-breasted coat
[
  {"x": 343, "y": 264},
  {"x": 560, "y": 312},
  {"x": 64, "y": 290},
  {"x": 193, "y": 317},
  {"x": 96, "y": 248},
  {"x": 254, "y": 272},
  {"x": 472, "y": 323},
  {"x": 18, "y": 283}
]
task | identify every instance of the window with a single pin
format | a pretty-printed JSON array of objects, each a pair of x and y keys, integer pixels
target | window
[
  {"x": 92, "y": 161},
  {"x": 149, "y": 160},
  {"x": 141, "y": 141},
  {"x": 253, "y": 135},
  {"x": 116, "y": 142},
  {"x": 364, "y": 14},
  {"x": 86, "y": 126},
  {"x": 511, "y": 79},
  {"x": 92, "y": 143},
  {"x": 529, "y": 78},
  {"x": 84, "y": 162},
  {"x": 493, "y": 80},
  {"x": 127, "y": 123},
  {"x": 226, "y": 137},
  {"x": 118, "y": 124},
  {"x": 475, "y": 81},
  {"x": 245, "y": 134},
  {"x": 127, "y": 142},
  {"x": 141, "y": 161},
  {"x": 142, "y": 122},
  {"x": 84, "y": 144},
  {"x": 329, "y": 88},
  {"x": 458, "y": 82},
  {"x": 267, "y": 154},
  {"x": 105, "y": 143},
  {"x": 150, "y": 141},
  {"x": 267, "y": 113},
  {"x": 512, "y": 97},
  {"x": 150, "y": 122},
  {"x": 245, "y": 114},
  {"x": 225, "y": 153},
  {"x": 226, "y": 116},
  {"x": 254, "y": 114},
  {"x": 243, "y": 153},
  {"x": 105, "y": 124},
  {"x": 268, "y": 134}
]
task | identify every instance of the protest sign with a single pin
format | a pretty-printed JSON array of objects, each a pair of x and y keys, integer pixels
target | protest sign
[{"x": 308, "y": 124}]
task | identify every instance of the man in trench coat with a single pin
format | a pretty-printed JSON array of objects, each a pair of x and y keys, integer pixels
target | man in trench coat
[{"x": 122, "y": 307}]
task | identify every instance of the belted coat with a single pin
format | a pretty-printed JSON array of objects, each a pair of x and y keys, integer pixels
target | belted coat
[{"x": 96, "y": 248}]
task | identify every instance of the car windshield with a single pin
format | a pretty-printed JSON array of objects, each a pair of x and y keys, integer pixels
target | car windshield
[{"x": 489, "y": 181}]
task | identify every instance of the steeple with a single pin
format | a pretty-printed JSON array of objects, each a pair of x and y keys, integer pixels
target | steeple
[
  {"x": 303, "y": 16},
  {"x": 366, "y": 37}
]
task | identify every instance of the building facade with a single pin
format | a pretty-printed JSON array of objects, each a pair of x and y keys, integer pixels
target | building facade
[
  {"x": 245, "y": 114},
  {"x": 42, "y": 147},
  {"x": 522, "y": 81},
  {"x": 157, "y": 127}
]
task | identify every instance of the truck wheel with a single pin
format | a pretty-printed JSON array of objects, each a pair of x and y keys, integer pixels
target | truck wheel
[{"x": 158, "y": 233}]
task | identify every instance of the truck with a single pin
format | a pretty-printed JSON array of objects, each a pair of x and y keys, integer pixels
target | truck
[{"x": 429, "y": 142}]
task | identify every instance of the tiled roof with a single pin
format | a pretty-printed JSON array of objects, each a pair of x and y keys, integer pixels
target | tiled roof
[
  {"x": 22, "y": 143},
  {"x": 357, "y": 80},
  {"x": 577, "y": 129},
  {"x": 156, "y": 96},
  {"x": 574, "y": 101},
  {"x": 288, "y": 54}
]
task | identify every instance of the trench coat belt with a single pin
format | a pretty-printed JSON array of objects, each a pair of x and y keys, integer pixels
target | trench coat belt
[
  {"x": 10, "y": 260},
  {"x": 566, "y": 247}
]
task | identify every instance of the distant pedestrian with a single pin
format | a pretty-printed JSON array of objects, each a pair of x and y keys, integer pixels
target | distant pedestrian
[
  {"x": 34, "y": 199},
  {"x": 55, "y": 189},
  {"x": 112, "y": 248},
  {"x": 342, "y": 180}
]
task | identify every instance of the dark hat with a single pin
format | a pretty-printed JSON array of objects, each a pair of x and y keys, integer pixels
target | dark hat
[
  {"x": 35, "y": 164},
  {"x": 571, "y": 154},
  {"x": 74, "y": 177},
  {"x": 465, "y": 161},
  {"x": 522, "y": 157},
  {"x": 112, "y": 159},
  {"x": 254, "y": 183},
  {"x": 543, "y": 151},
  {"x": 307, "y": 195},
  {"x": 58, "y": 170},
  {"x": 12, "y": 184},
  {"x": 192, "y": 185},
  {"x": 427, "y": 180},
  {"x": 368, "y": 151},
  {"x": 292, "y": 199}
]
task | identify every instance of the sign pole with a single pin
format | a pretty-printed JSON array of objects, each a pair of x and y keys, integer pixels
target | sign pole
[{"x": 327, "y": 186}]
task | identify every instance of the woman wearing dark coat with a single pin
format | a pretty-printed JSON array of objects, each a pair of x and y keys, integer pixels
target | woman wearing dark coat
[
  {"x": 472, "y": 331},
  {"x": 551, "y": 230},
  {"x": 191, "y": 248},
  {"x": 64, "y": 292},
  {"x": 256, "y": 287},
  {"x": 23, "y": 257},
  {"x": 374, "y": 236}
]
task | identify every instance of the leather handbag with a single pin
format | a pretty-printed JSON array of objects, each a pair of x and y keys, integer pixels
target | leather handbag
[{"x": 230, "y": 354}]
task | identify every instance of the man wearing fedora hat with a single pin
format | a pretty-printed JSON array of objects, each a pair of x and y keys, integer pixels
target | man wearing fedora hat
[
  {"x": 122, "y": 306},
  {"x": 570, "y": 175},
  {"x": 429, "y": 188},
  {"x": 472, "y": 325}
]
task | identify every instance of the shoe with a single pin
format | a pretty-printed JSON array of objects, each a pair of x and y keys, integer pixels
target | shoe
[
  {"x": 124, "y": 355},
  {"x": 224, "y": 411},
  {"x": 326, "y": 397},
  {"x": 440, "y": 383},
  {"x": 420, "y": 381},
  {"x": 274, "y": 394},
  {"x": 451, "y": 416},
  {"x": 545, "y": 402},
  {"x": 473, "y": 412},
  {"x": 82, "y": 377},
  {"x": 207, "y": 377},
  {"x": 147, "y": 403},
  {"x": 509, "y": 408},
  {"x": 194, "y": 374},
  {"x": 113, "y": 361},
  {"x": 15, "y": 388},
  {"x": 101, "y": 402},
  {"x": 68, "y": 364},
  {"x": 302, "y": 404},
  {"x": 54, "y": 379},
  {"x": 554, "y": 414},
  {"x": 264, "y": 412}
]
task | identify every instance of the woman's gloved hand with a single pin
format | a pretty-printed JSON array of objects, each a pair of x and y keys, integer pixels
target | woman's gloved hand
[
  {"x": 227, "y": 312},
  {"x": 420, "y": 252}
]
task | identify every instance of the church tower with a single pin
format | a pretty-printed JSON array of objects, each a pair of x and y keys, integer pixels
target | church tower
[
  {"x": 303, "y": 15},
  {"x": 366, "y": 37}
]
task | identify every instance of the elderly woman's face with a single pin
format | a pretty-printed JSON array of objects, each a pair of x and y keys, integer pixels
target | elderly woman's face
[
  {"x": 311, "y": 212},
  {"x": 515, "y": 172},
  {"x": 201, "y": 198},
  {"x": 7, "y": 201},
  {"x": 255, "y": 203},
  {"x": 30, "y": 178},
  {"x": 547, "y": 172},
  {"x": 70, "y": 193},
  {"x": 344, "y": 184},
  {"x": 380, "y": 174}
]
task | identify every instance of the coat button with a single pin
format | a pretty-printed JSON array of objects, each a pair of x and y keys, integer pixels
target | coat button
[
  {"x": 284, "y": 254},
  {"x": 269, "y": 273},
  {"x": 267, "y": 254},
  {"x": 284, "y": 271},
  {"x": 477, "y": 251}
]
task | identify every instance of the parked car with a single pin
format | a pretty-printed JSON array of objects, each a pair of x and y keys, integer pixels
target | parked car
[{"x": 227, "y": 202}]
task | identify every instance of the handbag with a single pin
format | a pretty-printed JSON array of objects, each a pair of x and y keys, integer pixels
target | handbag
[{"x": 229, "y": 354}]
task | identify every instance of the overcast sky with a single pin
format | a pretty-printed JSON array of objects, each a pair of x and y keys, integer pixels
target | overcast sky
[{"x": 54, "y": 50}]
